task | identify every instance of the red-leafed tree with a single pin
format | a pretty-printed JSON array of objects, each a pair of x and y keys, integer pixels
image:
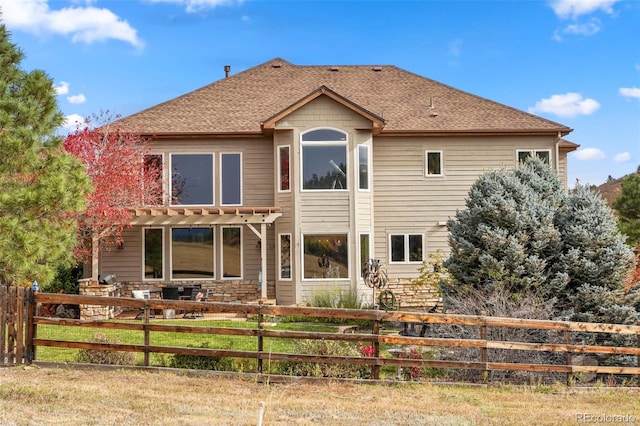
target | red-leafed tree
[{"x": 124, "y": 175}]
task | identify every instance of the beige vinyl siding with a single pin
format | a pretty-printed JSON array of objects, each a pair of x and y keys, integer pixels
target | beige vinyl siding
[
  {"x": 128, "y": 260},
  {"x": 405, "y": 201}
]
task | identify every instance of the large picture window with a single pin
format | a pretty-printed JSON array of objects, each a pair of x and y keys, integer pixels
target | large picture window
[
  {"x": 326, "y": 256},
  {"x": 153, "y": 253},
  {"x": 192, "y": 179},
  {"x": 192, "y": 253},
  {"x": 231, "y": 252},
  {"x": 405, "y": 248},
  {"x": 231, "y": 179},
  {"x": 324, "y": 160},
  {"x": 285, "y": 256}
]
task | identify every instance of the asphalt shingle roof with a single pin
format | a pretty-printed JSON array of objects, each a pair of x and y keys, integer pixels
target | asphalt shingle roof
[{"x": 241, "y": 102}]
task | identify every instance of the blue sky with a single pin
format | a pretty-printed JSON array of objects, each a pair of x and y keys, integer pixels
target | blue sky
[{"x": 576, "y": 62}]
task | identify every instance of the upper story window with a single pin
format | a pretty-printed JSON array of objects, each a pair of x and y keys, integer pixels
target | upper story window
[
  {"x": 433, "y": 162},
  {"x": 231, "y": 179},
  {"x": 543, "y": 154},
  {"x": 363, "y": 167},
  {"x": 284, "y": 182},
  {"x": 152, "y": 183},
  {"x": 324, "y": 160},
  {"x": 192, "y": 179}
]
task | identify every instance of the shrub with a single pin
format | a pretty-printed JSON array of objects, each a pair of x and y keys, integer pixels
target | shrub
[
  {"x": 201, "y": 362},
  {"x": 323, "y": 347},
  {"x": 97, "y": 356},
  {"x": 336, "y": 298}
]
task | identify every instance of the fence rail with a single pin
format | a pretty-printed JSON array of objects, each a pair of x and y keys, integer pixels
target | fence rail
[{"x": 26, "y": 322}]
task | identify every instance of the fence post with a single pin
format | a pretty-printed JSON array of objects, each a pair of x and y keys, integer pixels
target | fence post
[
  {"x": 147, "y": 340},
  {"x": 567, "y": 341},
  {"x": 260, "y": 338},
  {"x": 484, "y": 358},
  {"x": 30, "y": 348},
  {"x": 3, "y": 323},
  {"x": 375, "y": 369}
]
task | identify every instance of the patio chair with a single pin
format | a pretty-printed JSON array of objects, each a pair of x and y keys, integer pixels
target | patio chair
[
  {"x": 142, "y": 295},
  {"x": 198, "y": 295}
]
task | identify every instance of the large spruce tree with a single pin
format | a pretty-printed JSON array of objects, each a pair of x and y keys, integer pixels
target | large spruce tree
[
  {"x": 41, "y": 186},
  {"x": 522, "y": 232}
]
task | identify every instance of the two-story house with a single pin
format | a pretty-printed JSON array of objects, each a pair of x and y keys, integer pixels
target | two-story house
[{"x": 284, "y": 179}]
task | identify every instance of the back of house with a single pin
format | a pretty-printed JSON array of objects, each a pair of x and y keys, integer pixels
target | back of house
[{"x": 283, "y": 180}]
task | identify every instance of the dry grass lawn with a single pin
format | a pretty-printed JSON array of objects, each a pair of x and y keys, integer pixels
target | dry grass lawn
[{"x": 48, "y": 396}]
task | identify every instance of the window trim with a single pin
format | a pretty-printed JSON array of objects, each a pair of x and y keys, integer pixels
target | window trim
[
  {"x": 213, "y": 175},
  {"x": 407, "y": 251},
  {"x": 222, "y": 228},
  {"x": 213, "y": 260},
  {"x": 344, "y": 144},
  {"x": 302, "y": 245},
  {"x": 368, "y": 165},
  {"x": 162, "y": 248},
  {"x": 533, "y": 152},
  {"x": 280, "y": 277},
  {"x": 241, "y": 179},
  {"x": 426, "y": 163},
  {"x": 279, "y": 167}
]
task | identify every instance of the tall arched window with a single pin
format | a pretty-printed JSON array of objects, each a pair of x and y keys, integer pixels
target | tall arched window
[{"x": 324, "y": 160}]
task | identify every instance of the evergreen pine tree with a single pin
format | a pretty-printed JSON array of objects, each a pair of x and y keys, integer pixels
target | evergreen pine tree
[
  {"x": 595, "y": 259},
  {"x": 41, "y": 187},
  {"x": 506, "y": 234},
  {"x": 520, "y": 231},
  {"x": 628, "y": 207}
]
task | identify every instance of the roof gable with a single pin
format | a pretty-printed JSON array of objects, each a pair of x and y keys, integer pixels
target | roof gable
[{"x": 395, "y": 99}]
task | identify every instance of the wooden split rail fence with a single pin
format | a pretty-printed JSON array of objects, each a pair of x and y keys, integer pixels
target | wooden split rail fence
[
  {"x": 17, "y": 311},
  {"x": 372, "y": 335}
]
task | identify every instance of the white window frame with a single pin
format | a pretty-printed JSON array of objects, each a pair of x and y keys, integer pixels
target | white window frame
[
  {"x": 241, "y": 178},
  {"x": 213, "y": 260},
  {"x": 344, "y": 144},
  {"x": 280, "y": 277},
  {"x": 426, "y": 163},
  {"x": 279, "y": 166},
  {"x": 346, "y": 234},
  {"x": 162, "y": 248},
  {"x": 407, "y": 253},
  {"x": 368, "y": 165},
  {"x": 222, "y": 228},
  {"x": 213, "y": 175},
  {"x": 533, "y": 153}
]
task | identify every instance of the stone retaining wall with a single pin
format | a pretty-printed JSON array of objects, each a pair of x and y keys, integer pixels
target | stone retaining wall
[{"x": 410, "y": 296}]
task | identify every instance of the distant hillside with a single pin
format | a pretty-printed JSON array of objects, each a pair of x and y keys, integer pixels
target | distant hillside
[{"x": 610, "y": 190}]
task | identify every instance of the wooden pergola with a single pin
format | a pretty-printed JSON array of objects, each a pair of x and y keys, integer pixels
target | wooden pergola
[{"x": 190, "y": 216}]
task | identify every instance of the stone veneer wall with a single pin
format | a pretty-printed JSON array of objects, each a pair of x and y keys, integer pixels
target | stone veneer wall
[
  {"x": 219, "y": 291},
  {"x": 92, "y": 288},
  {"x": 411, "y": 296}
]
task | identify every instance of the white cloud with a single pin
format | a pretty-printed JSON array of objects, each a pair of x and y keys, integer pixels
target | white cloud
[
  {"x": 71, "y": 123},
  {"x": 77, "y": 99},
  {"x": 455, "y": 47},
  {"x": 86, "y": 24},
  {"x": 588, "y": 154},
  {"x": 623, "y": 157},
  {"x": 630, "y": 92},
  {"x": 567, "y": 105},
  {"x": 565, "y": 9},
  {"x": 62, "y": 89},
  {"x": 198, "y": 5},
  {"x": 587, "y": 29}
]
